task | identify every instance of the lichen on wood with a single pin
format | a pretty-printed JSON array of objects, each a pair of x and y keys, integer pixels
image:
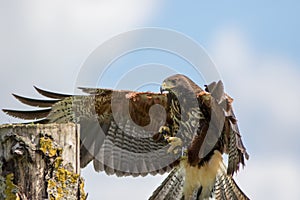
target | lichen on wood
[
  {"x": 40, "y": 162},
  {"x": 48, "y": 147},
  {"x": 10, "y": 189}
]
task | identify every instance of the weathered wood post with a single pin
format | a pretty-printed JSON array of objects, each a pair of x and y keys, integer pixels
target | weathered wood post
[{"x": 40, "y": 162}]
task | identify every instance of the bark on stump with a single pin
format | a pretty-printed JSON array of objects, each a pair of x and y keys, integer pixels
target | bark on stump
[{"x": 40, "y": 162}]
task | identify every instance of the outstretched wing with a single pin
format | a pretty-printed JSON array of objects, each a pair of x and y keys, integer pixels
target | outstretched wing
[
  {"x": 231, "y": 137},
  {"x": 223, "y": 136},
  {"x": 116, "y": 128}
]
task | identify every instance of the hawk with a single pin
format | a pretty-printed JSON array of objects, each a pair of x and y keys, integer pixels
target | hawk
[{"x": 183, "y": 130}]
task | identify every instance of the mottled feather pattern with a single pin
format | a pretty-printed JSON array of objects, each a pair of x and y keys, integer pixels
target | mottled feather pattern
[
  {"x": 227, "y": 189},
  {"x": 117, "y": 129},
  {"x": 134, "y": 156},
  {"x": 231, "y": 135},
  {"x": 212, "y": 133},
  {"x": 127, "y": 147},
  {"x": 233, "y": 155},
  {"x": 237, "y": 151},
  {"x": 171, "y": 188}
]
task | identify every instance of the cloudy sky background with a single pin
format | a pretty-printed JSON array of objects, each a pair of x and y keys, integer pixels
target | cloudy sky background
[{"x": 255, "y": 47}]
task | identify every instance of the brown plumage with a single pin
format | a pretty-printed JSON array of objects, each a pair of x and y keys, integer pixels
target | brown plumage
[{"x": 120, "y": 134}]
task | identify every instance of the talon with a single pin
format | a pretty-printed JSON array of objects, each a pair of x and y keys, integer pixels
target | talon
[
  {"x": 174, "y": 142},
  {"x": 163, "y": 133},
  {"x": 184, "y": 153},
  {"x": 175, "y": 151},
  {"x": 164, "y": 130}
]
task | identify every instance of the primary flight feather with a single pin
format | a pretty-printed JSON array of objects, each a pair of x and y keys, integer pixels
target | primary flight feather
[{"x": 183, "y": 130}]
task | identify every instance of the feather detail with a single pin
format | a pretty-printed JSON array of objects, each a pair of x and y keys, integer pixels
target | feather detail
[
  {"x": 35, "y": 102},
  {"x": 28, "y": 114},
  {"x": 226, "y": 188},
  {"x": 236, "y": 150},
  {"x": 171, "y": 188},
  {"x": 51, "y": 95},
  {"x": 116, "y": 129}
]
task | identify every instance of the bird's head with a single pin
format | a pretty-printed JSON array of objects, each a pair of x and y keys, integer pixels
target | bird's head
[{"x": 179, "y": 85}]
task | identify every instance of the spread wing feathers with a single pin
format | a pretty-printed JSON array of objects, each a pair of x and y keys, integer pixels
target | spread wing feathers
[
  {"x": 52, "y": 95},
  {"x": 226, "y": 188},
  {"x": 171, "y": 188},
  {"x": 237, "y": 151},
  {"x": 28, "y": 114},
  {"x": 35, "y": 102},
  {"x": 117, "y": 140},
  {"x": 231, "y": 137}
]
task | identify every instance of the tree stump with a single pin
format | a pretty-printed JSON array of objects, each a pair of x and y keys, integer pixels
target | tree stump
[{"x": 40, "y": 161}]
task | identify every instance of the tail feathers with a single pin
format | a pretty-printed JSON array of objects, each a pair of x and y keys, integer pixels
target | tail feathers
[
  {"x": 171, "y": 188},
  {"x": 226, "y": 188}
]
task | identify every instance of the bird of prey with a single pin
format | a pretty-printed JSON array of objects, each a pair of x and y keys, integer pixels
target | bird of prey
[{"x": 183, "y": 130}]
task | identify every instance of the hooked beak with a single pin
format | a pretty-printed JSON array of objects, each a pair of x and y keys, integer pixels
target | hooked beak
[{"x": 164, "y": 88}]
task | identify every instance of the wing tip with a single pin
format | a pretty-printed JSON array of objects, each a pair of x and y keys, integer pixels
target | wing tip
[
  {"x": 49, "y": 94},
  {"x": 10, "y": 112},
  {"x": 5, "y": 110},
  {"x": 28, "y": 114},
  {"x": 43, "y": 103}
]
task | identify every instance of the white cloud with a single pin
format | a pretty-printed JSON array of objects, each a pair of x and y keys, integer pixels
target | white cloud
[
  {"x": 46, "y": 40},
  {"x": 102, "y": 186},
  {"x": 262, "y": 84},
  {"x": 87, "y": 18},
  {"x": 270, "y": 179},
  {"x": 44, "y": 43},
  {"x": 266, "y": 92}
]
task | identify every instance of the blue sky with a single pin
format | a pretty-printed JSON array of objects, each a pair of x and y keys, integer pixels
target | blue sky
[{"x": 255, "y": 47}]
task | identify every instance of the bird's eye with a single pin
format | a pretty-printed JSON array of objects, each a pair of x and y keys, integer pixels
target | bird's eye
[{"x": 173, "y": 81}]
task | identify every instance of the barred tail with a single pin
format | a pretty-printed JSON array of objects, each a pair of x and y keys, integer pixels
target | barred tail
[
  {"x": 226, "y": 188},
  {"x": 171, "y": 188}
]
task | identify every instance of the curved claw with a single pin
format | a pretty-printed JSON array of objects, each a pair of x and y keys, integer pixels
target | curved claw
[
  {"x": 164, "y": 130},
  {"x": 162, "y": 134},
  {"x": 174, "y": 142}
]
